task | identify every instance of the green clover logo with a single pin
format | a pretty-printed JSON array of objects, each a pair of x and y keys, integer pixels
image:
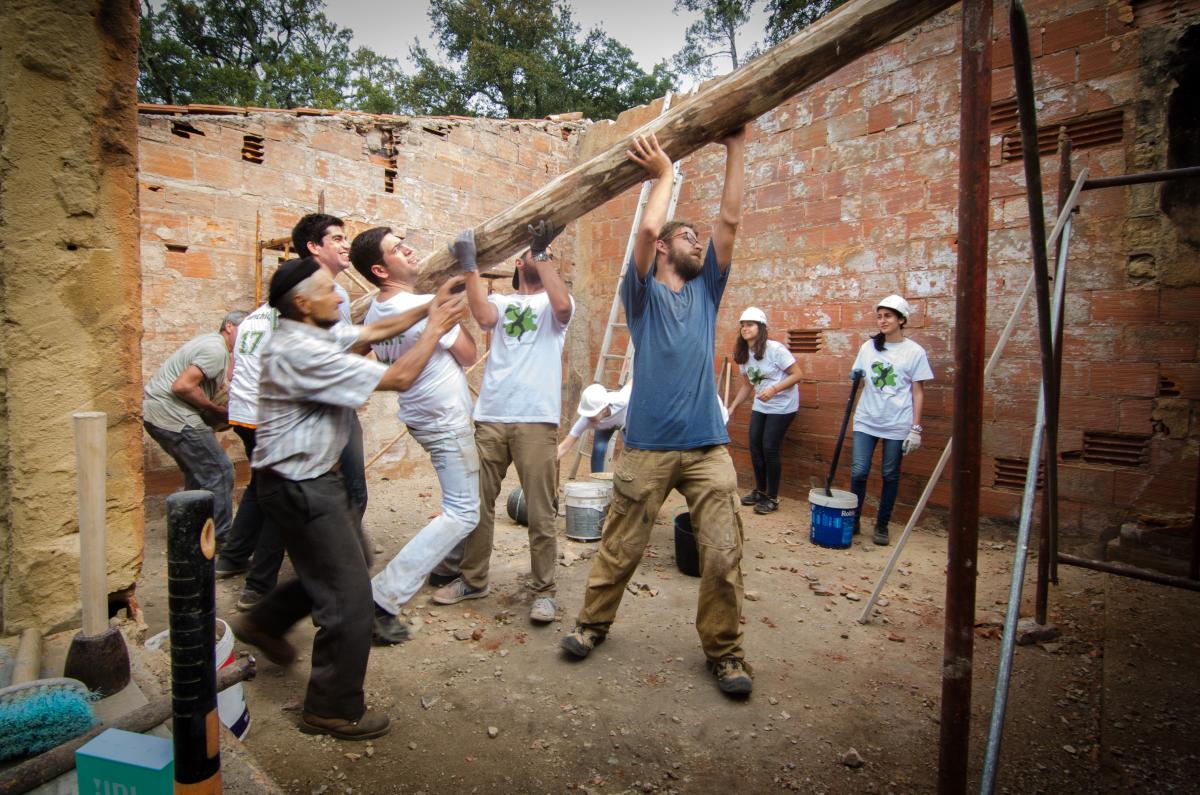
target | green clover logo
[
  {"x": 883, "y": 374},
  {"x": 755, "y": 375},
  {"x": 517, "y": 321}
]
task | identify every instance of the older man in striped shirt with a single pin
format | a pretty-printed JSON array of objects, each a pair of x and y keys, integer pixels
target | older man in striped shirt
[{"x": 309, "y": 388}]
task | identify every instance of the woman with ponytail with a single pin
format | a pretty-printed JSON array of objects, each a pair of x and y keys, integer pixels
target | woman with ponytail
[
  {"x": 770, "y": 371},
  {"x": 889, "y": 410}
]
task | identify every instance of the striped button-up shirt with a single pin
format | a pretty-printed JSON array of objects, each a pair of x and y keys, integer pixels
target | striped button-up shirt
[{"x": 309, "y": 388}]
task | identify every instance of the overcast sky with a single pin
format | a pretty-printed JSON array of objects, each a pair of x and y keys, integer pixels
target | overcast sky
[{"x": 648, "y": 27}]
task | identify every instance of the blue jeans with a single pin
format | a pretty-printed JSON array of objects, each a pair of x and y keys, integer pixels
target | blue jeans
[
  {"x": 204, "y": 465},
  {"x": 864, "y": 449},
  {"x": 457, "y": 464},
  {"x": 600, "y": 440},
  {"x": 353, "y": 469}
]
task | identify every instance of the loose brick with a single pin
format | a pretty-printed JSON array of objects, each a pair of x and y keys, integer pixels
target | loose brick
[{"x": 1073, "y": 31}]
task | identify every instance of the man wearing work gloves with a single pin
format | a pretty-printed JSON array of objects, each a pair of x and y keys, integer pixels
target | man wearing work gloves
[
  {"x": 436, "y": 409},
  {"x": 517, "y": 415}
]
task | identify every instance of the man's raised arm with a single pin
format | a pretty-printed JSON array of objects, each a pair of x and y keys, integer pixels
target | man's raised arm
[
  {"x": 389, "y": 327},
  {"x": 725, "y": 229},
  {"x": 650, "y": 156}
]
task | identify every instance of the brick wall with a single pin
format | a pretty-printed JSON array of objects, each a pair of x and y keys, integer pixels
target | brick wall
[
  {"x": 201, "y": 201},
  {"x": 851, "y": 194}
]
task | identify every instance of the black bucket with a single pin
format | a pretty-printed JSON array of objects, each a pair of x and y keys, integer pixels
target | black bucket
[{"x": 687, "y": 555}]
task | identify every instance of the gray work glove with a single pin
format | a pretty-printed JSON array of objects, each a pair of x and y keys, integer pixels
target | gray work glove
[
  {"x": 542, "y": 233},
  {"x": 463, "y": 249}
]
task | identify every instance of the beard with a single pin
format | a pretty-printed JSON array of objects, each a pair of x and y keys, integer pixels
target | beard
[
  {"x": 688, "y": 266},
  {"x": 530, "y": 277}
]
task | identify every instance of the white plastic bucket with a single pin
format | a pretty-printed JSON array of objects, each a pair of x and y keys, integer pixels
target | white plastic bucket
[
  {"x": 832, "y": 518},
  {"x": 587, "y": 503},
  {"x": 231, "y": 702}
]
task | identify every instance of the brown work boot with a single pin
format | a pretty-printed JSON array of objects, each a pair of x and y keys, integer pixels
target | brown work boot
[
  {"x": 734, "y": 676},
  {"x": 275, "y": 649},
  {"x": 369, "y": 726},
  {"x": 581, "y": 642}
]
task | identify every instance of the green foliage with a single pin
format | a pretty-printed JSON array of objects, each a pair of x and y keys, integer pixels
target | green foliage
[
  {"x": 788, "y": 16},
  {"x": 525, "y": 59},
  {"x": 266, "y": 53},
  {"x": 717, "y": 28}
]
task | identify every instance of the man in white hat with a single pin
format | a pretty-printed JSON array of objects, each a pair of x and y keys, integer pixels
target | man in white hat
[{"x": 603, "y": 411}]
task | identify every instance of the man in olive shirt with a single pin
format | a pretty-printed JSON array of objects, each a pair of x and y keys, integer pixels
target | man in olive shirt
[{"x": 176, "y": 399}]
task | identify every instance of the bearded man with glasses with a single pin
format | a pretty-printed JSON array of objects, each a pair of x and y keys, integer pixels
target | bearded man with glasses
[{"x": 675, "y": 437}]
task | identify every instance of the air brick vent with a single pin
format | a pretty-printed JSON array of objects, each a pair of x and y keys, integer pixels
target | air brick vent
[
  {"x": 1116, "y": 449},
  {"x": 1167, "y": 387},
  {"x": 1085, "y": 132},
  {"x": 1004, "y": 114},
  {"x": 390, "y": 170},
  {"x": 805, "y": 340},
  {"x": 1148, "y": 13},
  {"x": 252, "y": 148},
  {"x": 1010, "y": 474},
  {"x": 185, "y": 130}
]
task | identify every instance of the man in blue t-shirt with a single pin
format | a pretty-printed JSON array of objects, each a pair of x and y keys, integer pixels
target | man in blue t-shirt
[{"x": 676, "y": 437}]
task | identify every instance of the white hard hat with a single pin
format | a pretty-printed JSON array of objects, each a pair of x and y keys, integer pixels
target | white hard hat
[
  {"x": 593, "y": 400},
  {"x": 896, "y": 304},
  {"x": 753, "y": 315}
]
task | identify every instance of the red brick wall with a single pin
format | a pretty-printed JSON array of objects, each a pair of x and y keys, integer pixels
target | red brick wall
[
  {"x": 198, "y": 192},
  {"x": 851, "y": 194}
]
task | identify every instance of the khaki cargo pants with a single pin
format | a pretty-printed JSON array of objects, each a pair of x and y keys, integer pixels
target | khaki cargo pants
[{"x": 707, "y": 480}]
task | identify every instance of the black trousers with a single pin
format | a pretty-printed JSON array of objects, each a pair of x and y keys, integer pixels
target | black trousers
[
  {"x": 766, "y": 436},
  {"x": 253, "y": 533},
  {"x": 323, "y": 535}
]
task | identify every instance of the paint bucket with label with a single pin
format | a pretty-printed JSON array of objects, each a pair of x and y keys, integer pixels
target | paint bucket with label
[
  {"x": 231, "y": 702},
  {"x": 832, "y": 518},
  {"x": 587, "y": 504}
]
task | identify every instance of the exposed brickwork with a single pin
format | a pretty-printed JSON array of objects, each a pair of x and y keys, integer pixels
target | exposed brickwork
[
  {"x": 200, "y": 199},
  {"x": 852, "y": 193}
]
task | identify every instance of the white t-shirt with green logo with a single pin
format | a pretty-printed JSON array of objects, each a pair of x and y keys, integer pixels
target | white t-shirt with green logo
[
  {"x": 522, "y": 381},
  {"x": 768, "y": 371},
  {"x": 252, "y": 336},
  {"x": 439, "y": 398},
  {"x": 886, "y": 408},
  {"x": 161, "y": 407}
]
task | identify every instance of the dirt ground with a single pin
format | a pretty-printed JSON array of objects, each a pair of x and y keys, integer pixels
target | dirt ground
[{"x": 1111, "y": 706}]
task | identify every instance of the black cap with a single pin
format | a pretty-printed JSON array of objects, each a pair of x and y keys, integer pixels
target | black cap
[{"x": 287, "y": 276}]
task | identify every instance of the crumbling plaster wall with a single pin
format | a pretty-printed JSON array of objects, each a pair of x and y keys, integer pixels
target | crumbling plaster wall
[
  {"x": 70, "y": 302},
  {"x": 852, "y": 192},
  {"x": 200, "y": 197}
]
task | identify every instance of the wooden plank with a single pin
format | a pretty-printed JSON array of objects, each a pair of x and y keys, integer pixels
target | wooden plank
[{"x": 742, "y": 96}]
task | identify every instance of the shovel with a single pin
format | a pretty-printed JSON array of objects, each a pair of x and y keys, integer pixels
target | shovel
[{"x": 855, "y": 379}]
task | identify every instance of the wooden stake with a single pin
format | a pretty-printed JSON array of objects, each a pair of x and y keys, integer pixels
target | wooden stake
[
  {"x": 764, "y": 83},
  {"x": 27, "y": 666},
  {"x": 90, "y": 465},
  {"x": 258, "y": 250}
]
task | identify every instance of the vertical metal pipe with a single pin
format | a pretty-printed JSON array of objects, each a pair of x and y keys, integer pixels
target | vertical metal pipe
[
  {"x": 1023, "y": 77},
  {"x": 969, "y": 338},
  {"x": 1194, "y": 567},
  {"x": 191, "y": 546},
  {"x": 1065, "y": 183}
]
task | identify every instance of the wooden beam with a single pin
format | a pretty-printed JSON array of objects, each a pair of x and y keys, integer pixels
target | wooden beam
[{"x": 742, "y": 96}]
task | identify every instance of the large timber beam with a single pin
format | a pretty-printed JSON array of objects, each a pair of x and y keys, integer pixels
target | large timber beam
[{"x": 742, "y": 96}]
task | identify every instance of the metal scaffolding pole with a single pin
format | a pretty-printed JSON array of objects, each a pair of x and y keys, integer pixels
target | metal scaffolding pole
[{"x": 969, "y": 337}]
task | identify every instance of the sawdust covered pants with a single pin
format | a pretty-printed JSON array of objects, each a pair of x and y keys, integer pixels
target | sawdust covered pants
[{"x": 707, "y": 480}]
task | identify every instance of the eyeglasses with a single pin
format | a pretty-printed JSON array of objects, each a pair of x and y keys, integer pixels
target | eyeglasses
[{"x": 688, "y": 235}]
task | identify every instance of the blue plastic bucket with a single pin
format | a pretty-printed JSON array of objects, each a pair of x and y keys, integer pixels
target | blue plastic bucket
[{"x": 832, "y": 518}]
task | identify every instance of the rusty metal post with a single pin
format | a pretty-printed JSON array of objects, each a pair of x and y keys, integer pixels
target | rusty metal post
[
  {"x": 1194, "y": 566},
  {"x": 969, "y": 338}
]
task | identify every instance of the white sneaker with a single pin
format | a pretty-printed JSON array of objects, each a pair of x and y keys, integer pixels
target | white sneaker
[{"x": 543, "y": 611}]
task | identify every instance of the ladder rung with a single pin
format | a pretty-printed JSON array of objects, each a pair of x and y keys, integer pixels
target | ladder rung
[
  {"x": 620, "y": 325},
  {"x": 614, "y": 356}
]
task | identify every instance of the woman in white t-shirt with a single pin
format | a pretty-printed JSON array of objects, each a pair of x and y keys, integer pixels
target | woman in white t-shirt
[
  {"x": 889, "y": 410},
  {"x": 769, "y": 371},
  {"x": 604, "y": 412}
]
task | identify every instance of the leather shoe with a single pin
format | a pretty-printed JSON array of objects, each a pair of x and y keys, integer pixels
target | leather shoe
[
  {"x": 369, "y": 726},
  {"x": 275, "y": 649},
  {"x": 387, "y": 629}
]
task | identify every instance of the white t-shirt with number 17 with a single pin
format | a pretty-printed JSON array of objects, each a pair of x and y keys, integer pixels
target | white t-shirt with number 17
[
  {"x": 886, "y": 408},
  {"x": 252, "y": 336},
  {"x": 522, "y": 381}
]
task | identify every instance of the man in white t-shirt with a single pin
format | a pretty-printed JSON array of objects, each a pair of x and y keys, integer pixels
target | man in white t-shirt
[
  {"x": 517, "y": 415},
  {"x": 437, "y": 411},
  {"x": 323, "y": 237},
  {"x": 602, "y": 411}
]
